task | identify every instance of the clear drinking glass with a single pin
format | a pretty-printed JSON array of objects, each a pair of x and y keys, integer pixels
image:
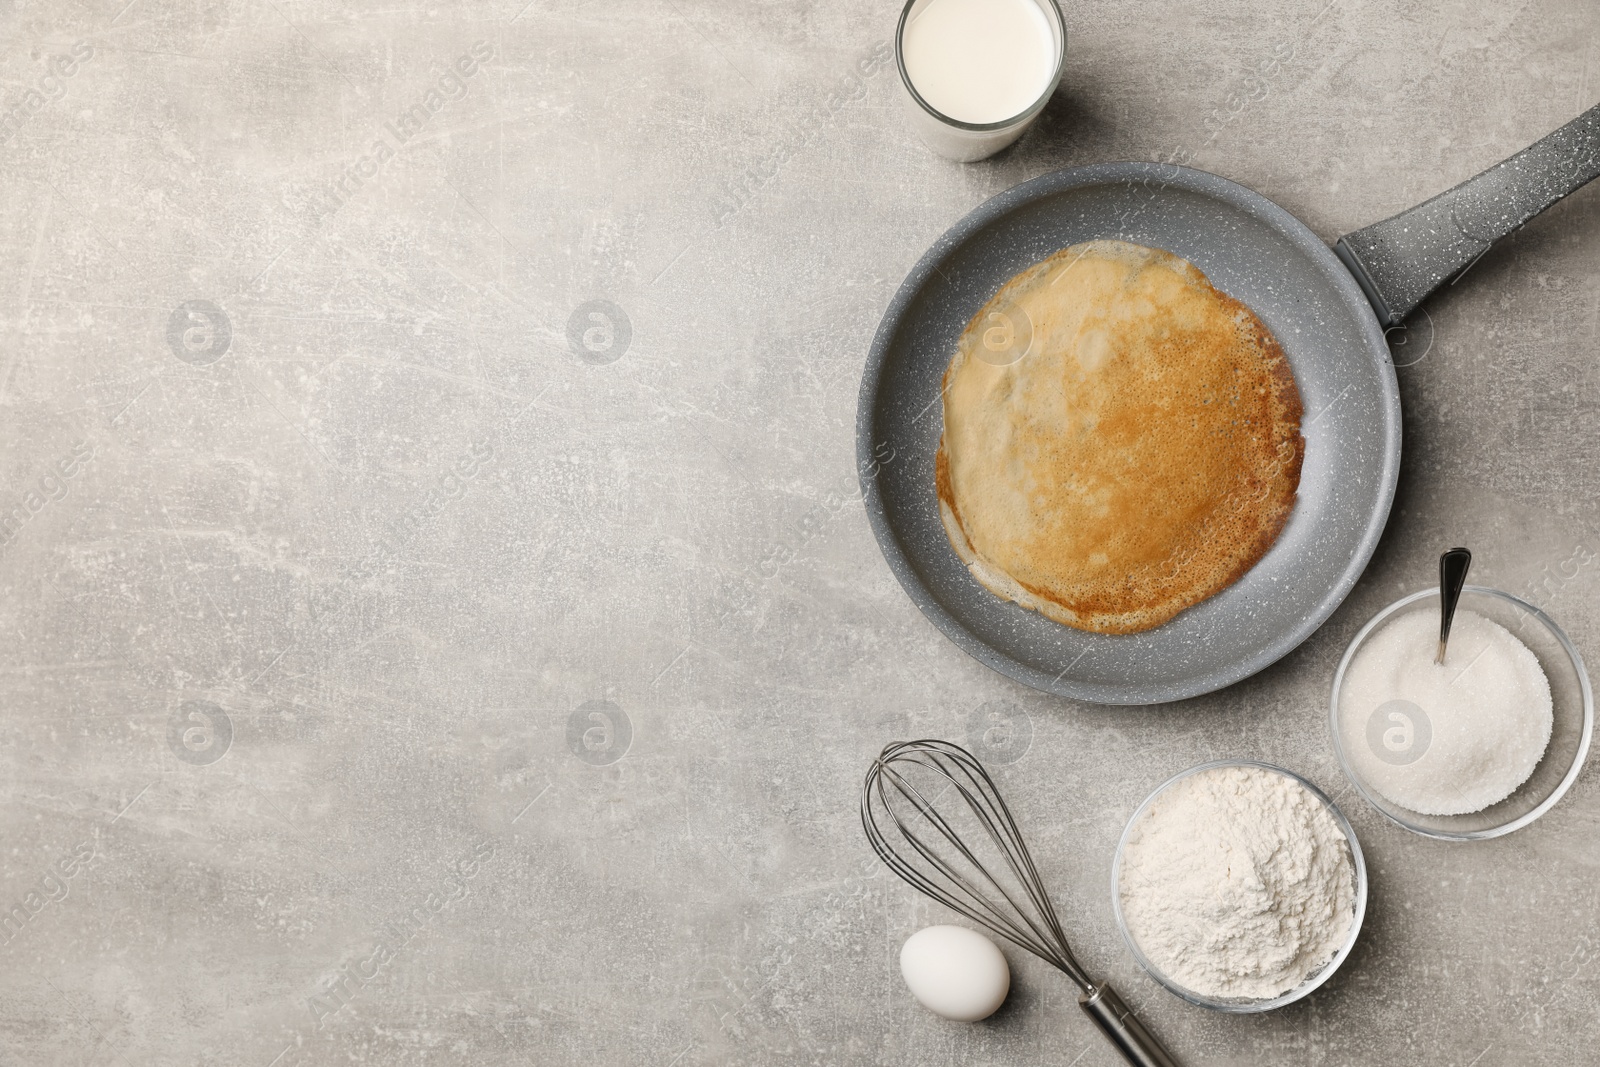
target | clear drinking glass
[{"x": 966, "y": 142}]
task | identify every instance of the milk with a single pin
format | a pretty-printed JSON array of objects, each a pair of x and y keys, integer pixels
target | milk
[{"x": 979, "y": 61}]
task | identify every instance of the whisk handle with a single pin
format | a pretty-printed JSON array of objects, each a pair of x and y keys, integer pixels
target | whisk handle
[{"x": 1123, "y": 1029}]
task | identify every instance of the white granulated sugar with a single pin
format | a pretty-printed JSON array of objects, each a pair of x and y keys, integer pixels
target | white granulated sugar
[
  {"x": 1237, "y": 883},
  {"x": 1450, "y": 738}
]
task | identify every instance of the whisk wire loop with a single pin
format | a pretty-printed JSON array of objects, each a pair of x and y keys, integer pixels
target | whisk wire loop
[
  {"x": 1034, "y": 927},
  {"x": 973, "y": 895},
  {"x": 1014, "y": 849},
  {"x": 1007, "y": 843}
]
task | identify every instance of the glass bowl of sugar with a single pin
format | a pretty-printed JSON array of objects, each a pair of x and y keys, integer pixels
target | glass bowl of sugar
[{"x": 1472, "y": 748}]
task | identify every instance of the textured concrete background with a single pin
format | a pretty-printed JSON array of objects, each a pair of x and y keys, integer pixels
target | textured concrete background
[{"x": 359, "y": 567}]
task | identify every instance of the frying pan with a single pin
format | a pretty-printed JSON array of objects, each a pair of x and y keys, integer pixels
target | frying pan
[{"x": 1328, "y": 308}]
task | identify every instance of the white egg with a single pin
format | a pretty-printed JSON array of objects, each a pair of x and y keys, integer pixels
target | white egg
[{"x": 955, "y": 972}]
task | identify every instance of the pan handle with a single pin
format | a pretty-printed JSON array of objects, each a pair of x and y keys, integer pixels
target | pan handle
[{"x": 1399, "y": 261}]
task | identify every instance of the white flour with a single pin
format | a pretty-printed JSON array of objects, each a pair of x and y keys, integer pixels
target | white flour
[{"x": 1237, "y": 883}]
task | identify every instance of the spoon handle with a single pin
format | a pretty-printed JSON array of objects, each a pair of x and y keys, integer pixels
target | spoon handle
[{"x": 1453, "y": 566}]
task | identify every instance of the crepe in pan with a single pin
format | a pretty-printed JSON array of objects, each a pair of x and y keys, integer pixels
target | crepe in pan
[{"x": 1121, "y": 439}]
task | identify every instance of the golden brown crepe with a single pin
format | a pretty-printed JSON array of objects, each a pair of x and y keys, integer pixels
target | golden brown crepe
[{"x": 1121, "y": 439}]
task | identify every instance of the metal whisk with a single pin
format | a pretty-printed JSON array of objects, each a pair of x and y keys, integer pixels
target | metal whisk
[{"x": 922, "y": 846}]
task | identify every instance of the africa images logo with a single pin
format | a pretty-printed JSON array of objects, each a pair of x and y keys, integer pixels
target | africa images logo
[
  {"x": 198, "y": 332},
  {"x": 52, "y": 888},
  {"x": 598, "y": 332},
  {"x": 49, "y": 487},
  {"x": 200, "y": 733},
  {"x": 1007, "y": 334},
  {"x": 51, "y": 86},
  {"x": 345, "y": 983},
  {"x": 999, "y": 731},
  {"x": 599, "y": 732},
  {"x": 1399, "y": 732},
  {"x": 451, "y": 85}
]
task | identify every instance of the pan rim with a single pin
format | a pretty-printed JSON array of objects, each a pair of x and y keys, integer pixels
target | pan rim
[{"x": 1161, "y": 175}]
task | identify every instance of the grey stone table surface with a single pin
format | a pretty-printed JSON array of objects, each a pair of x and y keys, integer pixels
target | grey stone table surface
[{"x": 440, "y": 624}]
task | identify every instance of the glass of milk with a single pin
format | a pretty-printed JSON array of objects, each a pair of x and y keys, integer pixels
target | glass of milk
[{"x": 976, "y": 73}]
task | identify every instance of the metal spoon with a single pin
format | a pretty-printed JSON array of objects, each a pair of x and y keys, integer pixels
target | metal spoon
[{"x": 1453, "y": 566}]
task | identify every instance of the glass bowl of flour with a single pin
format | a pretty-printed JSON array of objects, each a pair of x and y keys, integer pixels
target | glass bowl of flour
[
  {"x": 1239, "y": 886},
  {"x": 1476, "y": 747}
]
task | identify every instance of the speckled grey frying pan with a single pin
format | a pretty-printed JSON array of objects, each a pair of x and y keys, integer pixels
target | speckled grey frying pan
[{"x": 1328, "y": 309}]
